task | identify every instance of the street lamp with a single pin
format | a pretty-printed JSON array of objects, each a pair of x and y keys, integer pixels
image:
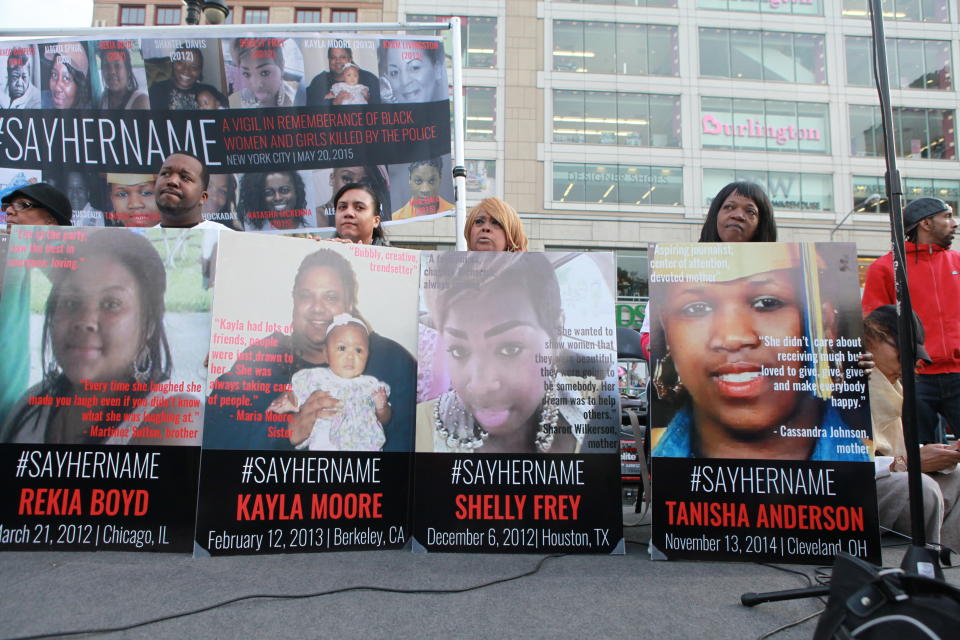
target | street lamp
[
  {"x": 874, "y": 198},
  {"x": 216, "y": 11}
]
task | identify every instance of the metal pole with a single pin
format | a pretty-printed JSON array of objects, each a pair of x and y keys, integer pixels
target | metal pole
[
  {"x": 869, "y": 202},
  {"x": 459, "y": 172},
  {"x": 217, "y": 29},
  {"x": 918, "y": 558}
]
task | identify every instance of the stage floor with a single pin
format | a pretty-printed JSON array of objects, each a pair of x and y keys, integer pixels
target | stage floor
[{"x": 569, "y": 597}]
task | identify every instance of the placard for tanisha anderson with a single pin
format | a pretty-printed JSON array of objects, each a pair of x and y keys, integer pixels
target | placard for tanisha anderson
[
  {"x": 105, "y": 338},
  {"x": 309, "y": 423},
  {"x": 761, "y": 435},
  {"x": 518, "y": 414}
]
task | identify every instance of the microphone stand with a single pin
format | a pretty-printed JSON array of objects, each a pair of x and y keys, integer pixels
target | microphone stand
[{"x": 919, "y": 558}]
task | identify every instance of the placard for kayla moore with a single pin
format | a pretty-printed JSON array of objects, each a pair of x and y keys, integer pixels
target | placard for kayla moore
[
  {"x": 518, "y": 405},
  {"x": 309, "y": 422},
  {"x": 761, "y": 434},
  {"x": 101, "y": 442}
]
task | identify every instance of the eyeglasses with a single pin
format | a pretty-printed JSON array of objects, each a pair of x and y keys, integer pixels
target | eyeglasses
[{"x": 19, "y": 205}]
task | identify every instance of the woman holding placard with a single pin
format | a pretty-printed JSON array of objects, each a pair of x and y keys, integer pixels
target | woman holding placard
[{"x": 493, "y": 225}]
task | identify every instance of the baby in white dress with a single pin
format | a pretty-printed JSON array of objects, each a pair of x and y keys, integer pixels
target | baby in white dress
[
  {"x": 356, "y": 92},
  {"x": 363, "y": 398}
]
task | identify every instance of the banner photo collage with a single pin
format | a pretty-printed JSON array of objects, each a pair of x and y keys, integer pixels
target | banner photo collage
[
  {"x": 280, "y": 122},
  {"x": 286, "y": 397},
  {"x": 760, "y": 422}
]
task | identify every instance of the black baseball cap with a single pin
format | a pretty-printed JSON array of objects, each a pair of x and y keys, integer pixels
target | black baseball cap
[
  {"x": 922, "y": 208},
  {"x": 48, "y": 197},
  {"x": 886, "y": 317}
]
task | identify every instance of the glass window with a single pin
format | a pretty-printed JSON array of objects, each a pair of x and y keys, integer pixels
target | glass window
[
  {"x": 308, "y": 16},
  {"x": 914, "y": 64},
  {"x": 605, "y": 47},
  {"x": 480, "y": 108},
  {"x": 797, "y": 7},
  {"x": 715, "y": 52},
  {"x": 343, "y": 15},
  {"x": 866, "y": 133},
  {"x": 633, "y": 274},
  {"x": 910, "y": 10},
  {"x": 481, "y": 178},
  {"x": 773, "y": 56},
  {"x": 617, "y": 184},
  {"x": 787, "y": 190},
  {"x": 770, "y": 125},
  {"x": 606, "y": 117},
  {"x": 167, "y": 15},
  {"x": 627, "y": 3},
  {"x": 920, "y": 133},
  {"x": 133, "y": 16},
  {"x": 913, "y": 188},
  {"x": 478, "y": 38},
  {"x": 256, "y": 16}
]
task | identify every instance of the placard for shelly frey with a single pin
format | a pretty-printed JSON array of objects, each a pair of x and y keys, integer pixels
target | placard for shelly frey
[
  {"x": 518, "y": 410},
  {"x": 103, "y": 380},
  {"x": 309, "y": 423},
  {"x": 761, "y": 434}
]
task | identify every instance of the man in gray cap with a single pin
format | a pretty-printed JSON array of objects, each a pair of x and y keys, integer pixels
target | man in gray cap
[
  {"x": 39, "y": 204},
  {"x": 933, "y": 274}
]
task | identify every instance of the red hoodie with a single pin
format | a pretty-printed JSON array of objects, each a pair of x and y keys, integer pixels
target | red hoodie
[{"x": 933, "y": 274}]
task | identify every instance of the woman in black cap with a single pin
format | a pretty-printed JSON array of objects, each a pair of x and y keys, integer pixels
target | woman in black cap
[{"x": 39, "y": 204}]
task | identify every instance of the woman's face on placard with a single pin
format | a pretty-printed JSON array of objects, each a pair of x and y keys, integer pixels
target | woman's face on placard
[
  {"x": 187, "y": 68},
  {"x": 262, "y": 76},
  {"x": 218, "y": 193},
  {"x": 63, "y": 85},
  {"x": 413, "y": 76},
  {"x": 720, "y": 336},
  {"x": 96, "y": 323},
  {"x": 279, "y": 193},
  {"x": 135, "y": 205},
  {"x": 114, "y": 71},
  {"x": 318, "y": 296},
  {"x": 492, "y": 343}
]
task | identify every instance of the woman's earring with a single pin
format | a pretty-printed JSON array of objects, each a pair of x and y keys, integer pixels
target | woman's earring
[
  {"x": 548, "y": 417},
  {"x": 666, "y": 380},
  {"x": 142, "y": 365},
  {"x": 454, "y": 411}
]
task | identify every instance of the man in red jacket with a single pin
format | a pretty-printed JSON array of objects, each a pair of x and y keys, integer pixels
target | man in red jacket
[{"x": 933, "y": 274}]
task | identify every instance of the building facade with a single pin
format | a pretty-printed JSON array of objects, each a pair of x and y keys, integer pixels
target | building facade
[{"x": 610, "y": 124}]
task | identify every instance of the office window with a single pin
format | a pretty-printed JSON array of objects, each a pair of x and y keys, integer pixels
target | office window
[
  {"x": 343, "y": 15},
  {"x": 481, "y": 178},
  {"x": 133, "y": 15},
  {"x": 480, "y": 110},
  {"x": 795, "y": 7},
  {"x": 167, "y": 15},
  {"x": 478, "y": 38},
  {"x": 627, "y": 3},
  {"x": 308, "y": 16},
  {"x": 787, "y": 189},
  {"x": 919, "y": 133},
  {"x": 621, "y": 48},
  {"x": 913, "y": 188},
  {"x": 762, "y": 55},
  {"x": 913, "y": 64},
  {"x": 256, "y": 16},
  {"x": 764, "y": 125},
  {"x": 907, "y": 10},
  {"x": 609, "y": 117},
  {"x": 617, "y": 184}
]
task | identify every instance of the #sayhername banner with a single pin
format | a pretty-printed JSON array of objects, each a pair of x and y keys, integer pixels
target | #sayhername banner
[
  {"x": 310, "y": 410},
  {"x": 280, "y": 122},
  {"x": 761, "y": 434},
  {"x": 104, "y": 335},
  {"x": 518, "y": 409}
]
